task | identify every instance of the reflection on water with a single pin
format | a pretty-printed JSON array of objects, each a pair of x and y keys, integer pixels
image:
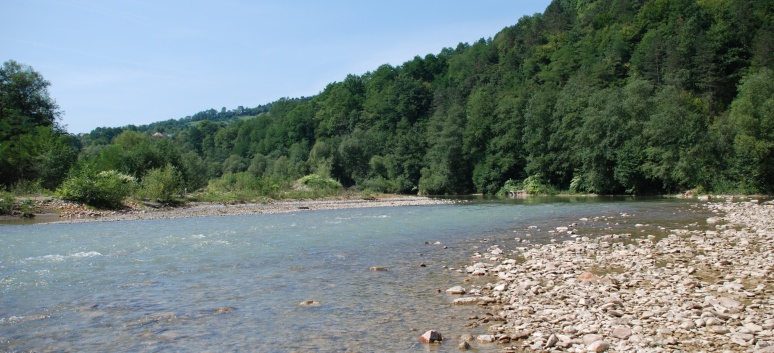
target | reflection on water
[{"x": 236, "y": 283}]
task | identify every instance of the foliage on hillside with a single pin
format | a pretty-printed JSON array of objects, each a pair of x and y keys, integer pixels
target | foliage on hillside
[{"x": 601, "y": 96}]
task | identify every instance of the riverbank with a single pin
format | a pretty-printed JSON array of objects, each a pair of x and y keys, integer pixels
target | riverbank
[
  {"x": 708, "y": 287},
  {"x": 53, "y": 210}
]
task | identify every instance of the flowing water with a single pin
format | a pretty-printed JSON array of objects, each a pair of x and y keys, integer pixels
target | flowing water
[{"x": 235, "y": 283}]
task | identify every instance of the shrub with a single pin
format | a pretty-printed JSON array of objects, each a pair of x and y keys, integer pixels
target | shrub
[
  {"x": 534, "y": 186},
  {"x": 106, "y": 189},
  {"x": 163, "y": 184},
  {"x": 510, "y": 186},
  {"x": 243, "y": 181},
  {"x": 7, "y": 203},
  {"x": 317, "y": 182}
]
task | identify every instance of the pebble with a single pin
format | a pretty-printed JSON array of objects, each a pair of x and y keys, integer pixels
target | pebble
[
  {"x": 691, "y": 289},
  {"x": 486, "y": 338},
  {"x": 622, "y": 332},
  {"x": 598, "y": 347}
]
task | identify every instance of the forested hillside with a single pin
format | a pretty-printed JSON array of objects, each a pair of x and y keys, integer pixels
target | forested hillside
[{"x": 599, "y": 96}]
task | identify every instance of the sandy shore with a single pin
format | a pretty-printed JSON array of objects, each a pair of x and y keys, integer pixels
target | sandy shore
[
  {"x": 706, "y": 288},
  {"x": 71, "y": 213}
]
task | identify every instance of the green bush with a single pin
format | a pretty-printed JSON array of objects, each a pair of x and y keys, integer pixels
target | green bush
[
  {"x": 533, "y": 185},
  {"x": 317, "y": 182},
  {"x": 7, "y": 203},
  {"x": 511, "y": 186},
  {"x": 239, "y": 182},
  {"x": 106, "y": 189},
  {"x": 163, "y": 184},
  {"x": 27, "y": 187}
]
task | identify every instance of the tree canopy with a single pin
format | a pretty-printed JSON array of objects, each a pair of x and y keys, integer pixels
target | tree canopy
[{"x": 33, "y": 147}]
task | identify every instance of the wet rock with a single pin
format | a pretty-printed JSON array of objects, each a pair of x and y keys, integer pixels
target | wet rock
[
  {"x": 463, "y": 346},
  {"x": 378, "y": 268},
  {"x": 486, "y": 338},
  {"x": 225, "y": 310},
  {"x": 456, "y": 290},
  {"x": 465, "y": 301},
  {"x": 309, "y": 303},
  {"x": 431, "y": 336}
]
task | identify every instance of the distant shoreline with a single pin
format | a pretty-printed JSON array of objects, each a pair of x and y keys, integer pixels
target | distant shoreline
[
  {"x": 61, "y": 212},
  {"x": 58, "y": 211}
]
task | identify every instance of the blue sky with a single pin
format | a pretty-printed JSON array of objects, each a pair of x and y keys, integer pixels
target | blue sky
[{"x": 119, "y": 62}]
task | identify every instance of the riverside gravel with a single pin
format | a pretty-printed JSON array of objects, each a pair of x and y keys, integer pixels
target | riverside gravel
[
  {"x": 207, "y": 209},
  {"x": 706, "y": 289}
]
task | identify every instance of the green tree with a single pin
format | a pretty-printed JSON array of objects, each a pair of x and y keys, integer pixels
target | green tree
[
  {"x": 674, "y": 133},
  {"x": 258, "y": 165},
  {"x": 32, "y": 144},
  {"x": 24, "y": 100},
  {"x": 445, "y": 170},
  {"x": 234, "y": 164},
  {"x": 752, "y": 114},
  {"x": 194, "y": 171}
]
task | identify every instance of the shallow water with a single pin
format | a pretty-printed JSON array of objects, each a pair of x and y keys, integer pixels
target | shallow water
[{"x": 235, "y": 283}]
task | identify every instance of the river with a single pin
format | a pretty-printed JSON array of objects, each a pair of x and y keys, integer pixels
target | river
[{"x": 236, "y": 283}]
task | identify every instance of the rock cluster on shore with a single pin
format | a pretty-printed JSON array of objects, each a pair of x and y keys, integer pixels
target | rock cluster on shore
[{"x": 693, "y": 290}]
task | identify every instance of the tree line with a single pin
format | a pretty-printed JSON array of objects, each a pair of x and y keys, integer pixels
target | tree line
[{"x": 604, "y": 96}]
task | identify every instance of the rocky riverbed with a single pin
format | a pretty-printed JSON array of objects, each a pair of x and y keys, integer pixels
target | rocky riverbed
[{"x": 706, "y": 288}]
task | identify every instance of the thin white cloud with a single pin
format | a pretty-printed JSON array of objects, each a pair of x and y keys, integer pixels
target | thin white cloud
[{"x": 97, "y": 7}]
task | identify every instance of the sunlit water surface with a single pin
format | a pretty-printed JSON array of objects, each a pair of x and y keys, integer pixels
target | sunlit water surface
[{"x": 235, "y": 283}]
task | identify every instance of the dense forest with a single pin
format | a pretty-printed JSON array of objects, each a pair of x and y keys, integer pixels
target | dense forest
[{"x": 592, "y": 96}]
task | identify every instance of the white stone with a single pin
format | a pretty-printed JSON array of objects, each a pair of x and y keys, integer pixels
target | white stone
[
  {"x": 598, "y": 347},
  {"x": 456, "y": 290},
  {"x": 592, "y": 337},
  {"x": 753, "y": 327}
]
